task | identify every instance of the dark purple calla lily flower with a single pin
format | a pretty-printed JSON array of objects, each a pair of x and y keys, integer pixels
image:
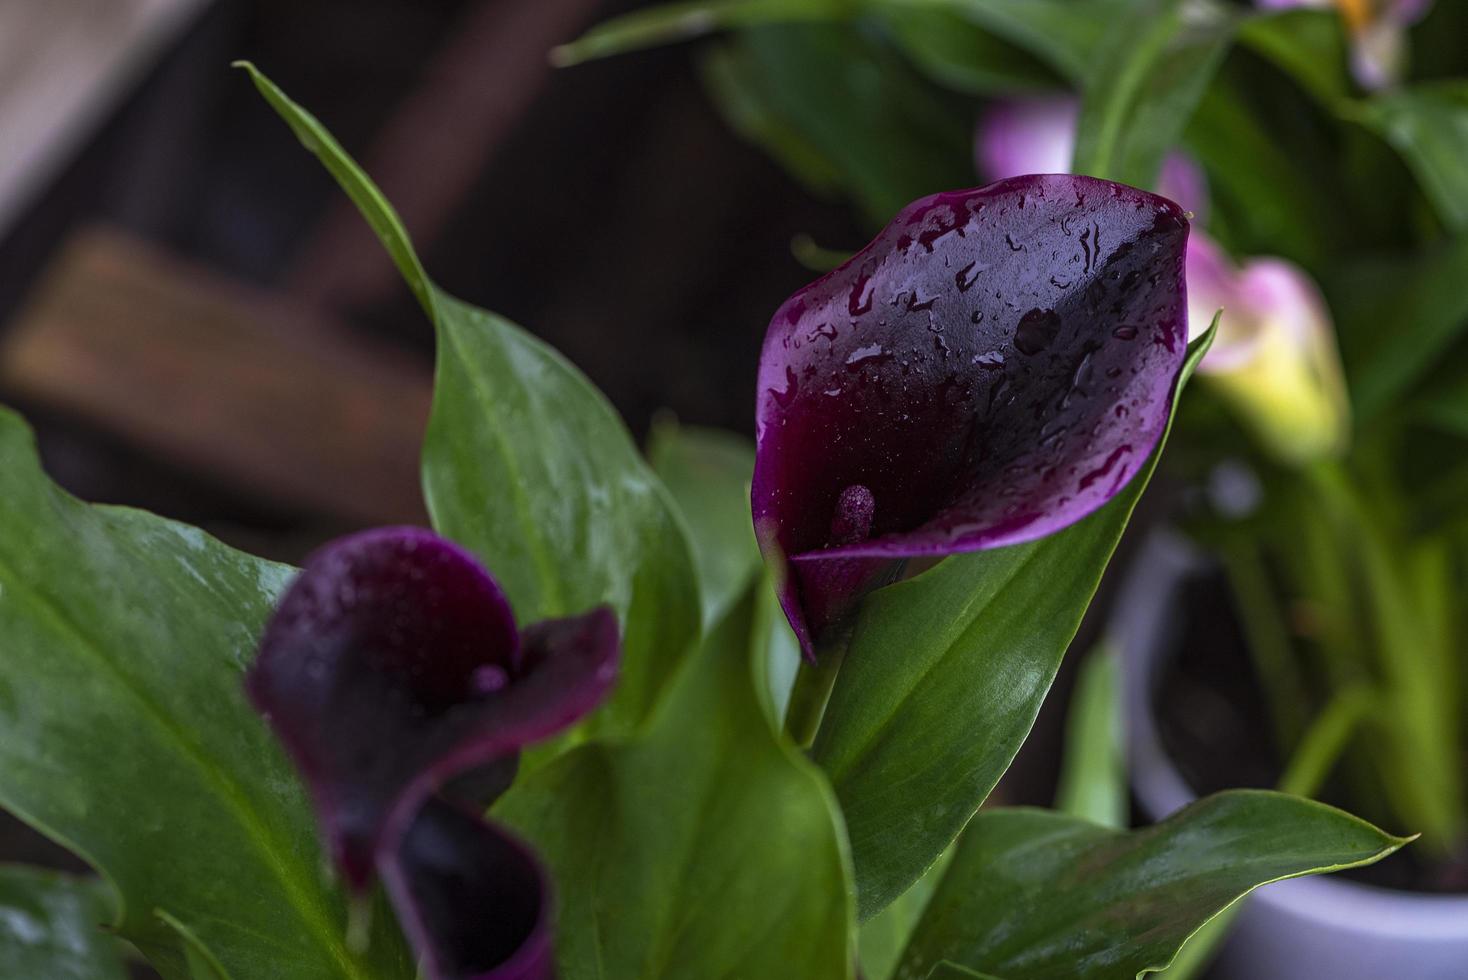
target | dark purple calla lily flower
[
  {"x": 993, "y": 367},
  {"x": 393, "y": 669},
  {"x": 470, "y": 897}
]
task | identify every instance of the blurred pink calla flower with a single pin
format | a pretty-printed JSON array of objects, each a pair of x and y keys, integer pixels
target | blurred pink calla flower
[
  {"x": 1275, "y": 359},
  {"x": 1378, "y": 31}
]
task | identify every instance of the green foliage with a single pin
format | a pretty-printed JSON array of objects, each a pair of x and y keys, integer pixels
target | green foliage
[
  {"x": 882, "y": 938},
  {"x": 952, "y": 971},
  {"x": 1309, "y": 45},
  {"x": 955, "y": 49},
  {"x": 51, "y": 927},
  {"x": 1036, "y": 895},
  {"x": 1397, "y": 318},
  {"x": 125, "y": 735},
  {"x": 526, "y": 464},
  {"x": 1429, "y": 126},
  {"x": 1144, "y": 80},
  {"x": 693, "y": 18},
  {"x": 708, "y": 472},
  {"x": 981, "y": 636},
  {"x": 1093, "y": 782},
  {"x": 706, "y": 847},
  {"x": 1062, "y": 33},
  {"x": 842, "y": 112},
  {"x": 687, "y": 837}
]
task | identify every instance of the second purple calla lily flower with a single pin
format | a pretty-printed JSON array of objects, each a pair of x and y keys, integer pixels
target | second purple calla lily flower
[
  {"x": 993, "y": 367},
  {"x": 392, "y": 666}
]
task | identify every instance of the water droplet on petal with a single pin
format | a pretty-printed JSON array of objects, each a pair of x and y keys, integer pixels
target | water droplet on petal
[
  {"x": 864, "y": 354},
  {"x": 1036, "y": 331}
]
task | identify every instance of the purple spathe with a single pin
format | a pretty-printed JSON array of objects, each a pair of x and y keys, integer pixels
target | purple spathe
[
  {"x": 393, "y": 665},
  {"x": 994, "y": 366}
]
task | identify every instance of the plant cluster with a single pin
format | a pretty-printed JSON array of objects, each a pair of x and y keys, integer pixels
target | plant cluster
[{"x": 731, "y": 710}]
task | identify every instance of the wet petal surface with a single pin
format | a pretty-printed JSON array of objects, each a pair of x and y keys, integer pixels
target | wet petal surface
[
  {"x": 393, "y": 664},
  {"x": 993, "y": 367}
]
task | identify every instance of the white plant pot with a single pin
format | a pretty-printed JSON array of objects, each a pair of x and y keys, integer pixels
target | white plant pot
[{"x": 1322, "y": 928}]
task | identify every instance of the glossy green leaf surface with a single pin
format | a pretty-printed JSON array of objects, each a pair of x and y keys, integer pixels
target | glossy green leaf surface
[
  {"x": 708, "y": 471},
  {"x": 1037, "y": 895},
  {"x": 1144, "y": 79},
  {"x": 51, "y": 927},
  {"x": 526, "y": 464},
  {"x": 705, "y": 848},
  {"x": 1429, "y": 126},
  {"x": 980, "y": 636},
  {"x": 125, "y": 735},
  {"x": 882, "y": 938}
]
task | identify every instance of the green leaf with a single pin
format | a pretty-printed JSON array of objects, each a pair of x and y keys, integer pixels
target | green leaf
[
  {"x": 704, "y": 848},
  {"x": 708, "y": 472},
  {"x": 1428, "y": 126},
  {"x": 125, "y": 734},
  {"x": 1396, "y": 319},
  {"x": 978, "y": 637},
  {"x": 670, "y": 22},
  {"x": 1036, "y": 895},
  {"x": 882, "y": 938},
  {"x": 1317, "y": 752},
  {"x": 955, "y": 51},
  {"x": 1093, "y": 782},
  {"x": 1309, "y": 45},
  {"x": 1270, "y": 202},
  {"x": 777, "y": 655},
  {"x": 1063, "y": 33},
  {"x": 1443, "y": 405},
  {"x": 526, "y": 464},
  {"x": 51, "y": 926},
  {"x": 843, "y": 113},
  {"x": 1145, "y": 79},
  {"x": 952, "y": 971}
]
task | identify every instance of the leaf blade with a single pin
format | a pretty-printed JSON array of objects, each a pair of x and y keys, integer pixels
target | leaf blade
[
  {"x": 681, "y": 817},
  {"x": 118, "y": 626},
  {"x": 1036, "y": 895},
  {"x": 1093, "y": 770},
  {"x": 981, "y": 635},
  {"x": 587, "y": 523},
  {"x": 1144, "y": 80},
  {"x": 1428, "y": 126}
]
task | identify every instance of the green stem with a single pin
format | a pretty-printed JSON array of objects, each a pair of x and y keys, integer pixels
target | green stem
[
  {"x": 812, "y": 691},
  {"x": 1325, "y": 740},
  {"x": 1268, "y": 640},
  {"x": 1427, "y": 786}
]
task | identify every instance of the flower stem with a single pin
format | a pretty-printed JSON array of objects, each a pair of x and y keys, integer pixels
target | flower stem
[{"x": 813, "y": 685}]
